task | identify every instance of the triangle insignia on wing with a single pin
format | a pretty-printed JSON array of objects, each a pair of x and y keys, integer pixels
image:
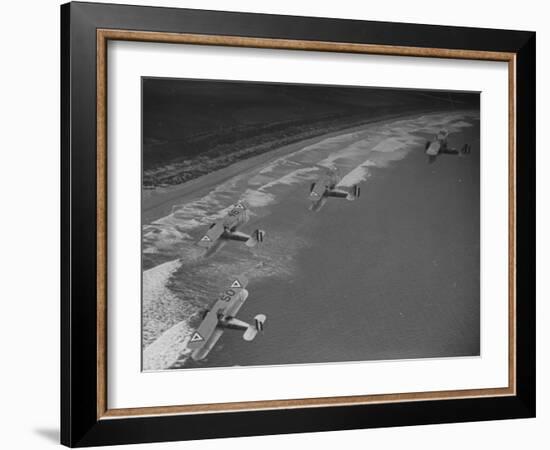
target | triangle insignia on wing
[
  {"x": 236, "y": 284},
  {"x": 196, "y": 337},
  {"x": 205, "y": 238}
]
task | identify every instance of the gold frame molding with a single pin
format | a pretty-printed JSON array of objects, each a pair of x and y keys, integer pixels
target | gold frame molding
[{"x": 105, "y": 35}]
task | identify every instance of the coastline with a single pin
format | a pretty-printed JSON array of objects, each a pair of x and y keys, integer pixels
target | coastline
[{"x": 158, "y": 204}]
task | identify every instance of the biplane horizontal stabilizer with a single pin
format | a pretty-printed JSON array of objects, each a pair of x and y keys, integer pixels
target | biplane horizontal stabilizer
[
  {"x": 253, "y": 329},
  {"x": 256, "y": 238}
]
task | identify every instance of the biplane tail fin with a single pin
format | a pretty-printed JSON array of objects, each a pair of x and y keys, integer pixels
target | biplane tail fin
[
  {"x": 353, "y": 192},
  {"x": 255, "y": 328},
  {"x": 256, "y": 238},
  {"x": 466, "y": 149}
]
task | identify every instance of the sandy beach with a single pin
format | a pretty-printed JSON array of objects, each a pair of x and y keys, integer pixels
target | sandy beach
[{"x": 159, "y": 202}]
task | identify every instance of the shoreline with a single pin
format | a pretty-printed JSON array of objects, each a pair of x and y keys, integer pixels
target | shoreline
[{"x": 157, "y": 205}]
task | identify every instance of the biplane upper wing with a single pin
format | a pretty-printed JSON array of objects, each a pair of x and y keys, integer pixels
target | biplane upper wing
[
  {"x": 319, "y": 188},
  {"x": 205, "y": 332}
]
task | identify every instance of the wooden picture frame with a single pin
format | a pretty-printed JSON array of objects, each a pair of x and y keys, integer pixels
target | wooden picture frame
[{"x": 86, "y": 418}]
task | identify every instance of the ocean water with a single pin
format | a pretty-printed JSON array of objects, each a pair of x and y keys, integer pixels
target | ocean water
[{"x": 394, "y": 274}]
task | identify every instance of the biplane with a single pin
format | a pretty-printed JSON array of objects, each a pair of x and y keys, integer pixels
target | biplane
[
  {"x": 327, "y": 186},
  {"x": 222, "y": 317},
  {"x": 226, "y": 230},
  {"x": 440, "y": 146}
]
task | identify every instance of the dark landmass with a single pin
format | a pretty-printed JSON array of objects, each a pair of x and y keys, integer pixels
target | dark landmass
[{"x": 194, "y": 127}]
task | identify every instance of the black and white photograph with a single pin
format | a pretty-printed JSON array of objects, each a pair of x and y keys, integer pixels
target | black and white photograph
[{"x": 300, "y": 224}]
